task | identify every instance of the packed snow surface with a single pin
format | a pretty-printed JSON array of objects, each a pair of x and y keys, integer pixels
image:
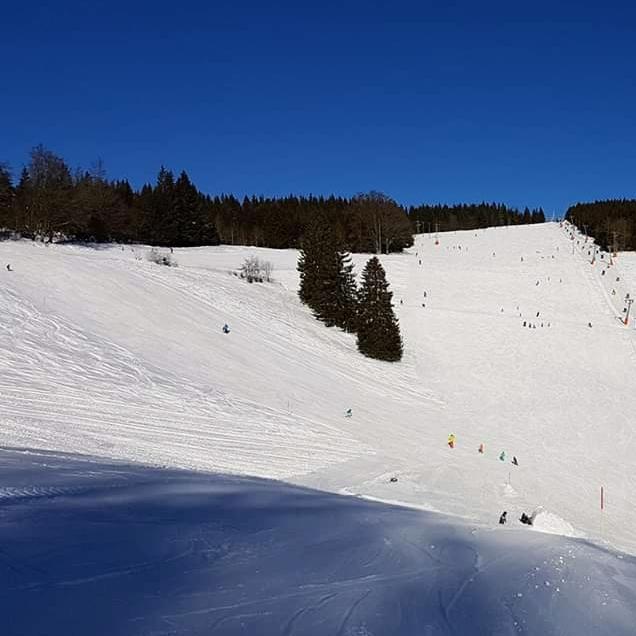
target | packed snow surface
[
  {"x": 105, "y": 353},
  {"x": 96, "y": 547}
]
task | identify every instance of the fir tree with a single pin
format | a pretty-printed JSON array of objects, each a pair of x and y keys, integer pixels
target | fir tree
[
  {"x": 346, "y": 313},
  {"x": 314, "y": 262},
  {"x": 6, "y": 196},
  {"x": 327, "y": 284},
  {"x": 378, "y": 329}
]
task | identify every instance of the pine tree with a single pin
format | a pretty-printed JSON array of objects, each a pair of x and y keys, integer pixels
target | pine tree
[{"x": 378, "y": 329}]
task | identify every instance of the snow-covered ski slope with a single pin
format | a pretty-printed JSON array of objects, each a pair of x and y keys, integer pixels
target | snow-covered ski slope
[
  {"x": 90, "y": 546},
  {"x": 104, "y": 353}
]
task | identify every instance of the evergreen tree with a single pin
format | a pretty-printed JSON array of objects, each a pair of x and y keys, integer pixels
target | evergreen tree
[
  {"x": 6, "y": 196},
  {"x": 314, "y": 262},
  {"x": 346, "y": 313},
  {"x": 327, "y": 284},
  {"x": 378, "y": 329}
]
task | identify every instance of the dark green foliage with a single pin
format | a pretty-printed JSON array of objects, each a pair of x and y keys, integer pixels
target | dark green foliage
[
  {"x": 6, "y": 197},
  {"x": 346, "y": 301},
  {"x": 612, "y": 223},
  {"x": 327, "y": 284},
  {"x": 378, "y": 329},
  {"x": 448, "y": 218},
  {"x": 85, "y": 205},
  {"x": 316, "y": 264}
]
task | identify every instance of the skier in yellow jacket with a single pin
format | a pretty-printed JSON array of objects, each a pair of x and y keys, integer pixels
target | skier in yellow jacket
[{"x": 451, "y": 440}]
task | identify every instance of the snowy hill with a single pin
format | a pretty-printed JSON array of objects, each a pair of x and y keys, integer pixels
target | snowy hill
[
  {"x": 114, "y": 550},
  {"x": 105, "y": 354}
]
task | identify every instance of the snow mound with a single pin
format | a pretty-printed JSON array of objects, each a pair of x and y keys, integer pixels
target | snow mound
[{"x": 551, "y": 523}]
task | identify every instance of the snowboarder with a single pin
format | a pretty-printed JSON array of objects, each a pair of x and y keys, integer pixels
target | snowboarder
[
  {"x": 348, "y": 413},
  {"x": 525, "y": 519},
  {"x": 514, "y": 460},
  {"x": 503, "y": 518},
  {"x": 226, "y": 328},
  {"x": 9, "y": 267},
  {"x": 481, "y": 448},
  {"x": 451, "y": 440},
  {"x": 502, "y": 456}
]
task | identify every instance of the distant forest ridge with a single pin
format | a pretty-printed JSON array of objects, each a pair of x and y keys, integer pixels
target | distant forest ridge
[
  {"x": 49, "y": 200},
  {"x": 612, "y": 223}
]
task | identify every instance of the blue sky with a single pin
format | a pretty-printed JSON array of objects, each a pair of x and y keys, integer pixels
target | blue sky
[{"x": 525, "y": 103}]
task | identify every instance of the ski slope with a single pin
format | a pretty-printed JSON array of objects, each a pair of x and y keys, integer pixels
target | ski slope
[
  {"x": 106, "y": 354},
  {"x": 90, "y": 546}
]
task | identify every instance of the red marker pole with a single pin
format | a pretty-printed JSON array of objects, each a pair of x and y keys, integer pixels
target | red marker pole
[{"x": 602, "y": 508}]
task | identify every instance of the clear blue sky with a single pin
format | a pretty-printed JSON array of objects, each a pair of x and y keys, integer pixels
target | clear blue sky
[{"x": 529, "y": 103}]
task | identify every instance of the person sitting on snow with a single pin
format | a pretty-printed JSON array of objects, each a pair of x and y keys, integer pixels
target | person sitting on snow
[{"x": 525, "y": 519}]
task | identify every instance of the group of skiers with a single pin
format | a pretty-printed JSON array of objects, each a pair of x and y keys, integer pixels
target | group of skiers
[{"x": 482, "y": 449}]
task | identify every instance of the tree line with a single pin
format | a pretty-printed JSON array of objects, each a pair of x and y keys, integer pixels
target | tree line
[
  {"x": 612, "y": 222},
  {"x": 328, "y": 287},
  {"x": 448, "y": 218},
  {"x": 50, "y": 200}
]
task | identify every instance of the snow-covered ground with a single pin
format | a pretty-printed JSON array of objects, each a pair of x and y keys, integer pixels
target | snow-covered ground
[
  {"x": 105, "y": 354},
  {"x": 100, "y": 548}
]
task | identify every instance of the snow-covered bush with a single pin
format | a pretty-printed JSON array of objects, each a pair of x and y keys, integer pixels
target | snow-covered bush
[
  {"x": 255, "y": 270},
  {"x": 156, "y": 256}
]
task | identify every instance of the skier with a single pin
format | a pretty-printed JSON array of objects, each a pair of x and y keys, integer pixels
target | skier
[
  {"x": 451, "y": 440},
  {"x": 481, "y": 448},
  {"x": 9, "y": 267},
  {"x": 502, "y": 456},
  {"x": 503, "y": 518},
  {"x": 514, "y": 460},
  {"x": 589, "y": 324},
  {"x": 226, "y": 328},
  {"x": 524, "y": 323},
  {"x": 348, "y": 413}
]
